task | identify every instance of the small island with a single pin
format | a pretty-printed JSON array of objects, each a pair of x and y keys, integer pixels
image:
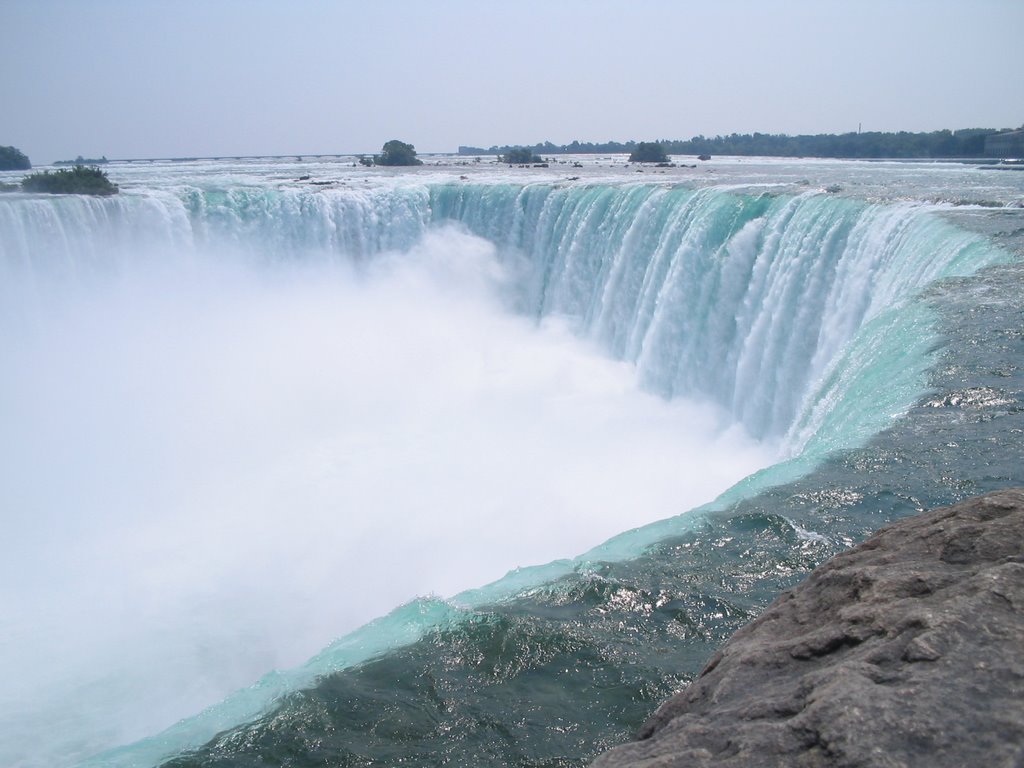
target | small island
[
  {"x": 520, "y": 156},
  {"x": 397, "y": 152},
  {"x": 13, "y": 159},
  {"x": 84, "y": 161},
  {"x": 648, "y": 152},
  {"x": 80, "y": 180}
]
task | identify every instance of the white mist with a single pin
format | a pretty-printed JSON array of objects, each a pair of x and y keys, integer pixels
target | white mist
[{"x": 208, "y": 471}]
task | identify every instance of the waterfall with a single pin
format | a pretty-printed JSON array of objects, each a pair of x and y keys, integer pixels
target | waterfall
[
  {"x": 745, "y": 300},
  {"x": 748, "y": 301},
  {"x": 795, "y": 320}
]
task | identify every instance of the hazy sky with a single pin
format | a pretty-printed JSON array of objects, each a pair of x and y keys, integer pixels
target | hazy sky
[{"x": 138, "y": 78}]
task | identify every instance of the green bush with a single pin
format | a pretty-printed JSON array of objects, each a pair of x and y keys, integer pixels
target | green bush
[
  {"x": 397, "y": 152},
  {"x": 79, "y": 180},
  {"x": 520, "y": 156},
  {"x": 12, "y": 159},
  {"x": 648, "y": 152}
]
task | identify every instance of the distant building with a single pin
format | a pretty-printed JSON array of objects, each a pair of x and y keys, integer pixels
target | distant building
[{"x": 1009, "y": 144}]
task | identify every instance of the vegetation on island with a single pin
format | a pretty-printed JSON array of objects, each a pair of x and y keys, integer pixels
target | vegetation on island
[
  {"x": 13, "y": 159},
  {"x": 521, "y": 156},
  {"x": 966, "y": 143},
  {"x": 648, "y": 152},
  {"x": 84, "y": 161},
  {"x": 397, "y": 152},
  {"x": 80, "y": 180}
]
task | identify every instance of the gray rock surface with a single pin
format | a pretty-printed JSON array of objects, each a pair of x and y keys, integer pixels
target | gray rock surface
[{"x": 907, "y": 650}]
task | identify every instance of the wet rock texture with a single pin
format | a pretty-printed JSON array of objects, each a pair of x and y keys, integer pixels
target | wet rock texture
[{"x": 907, "y": 650}]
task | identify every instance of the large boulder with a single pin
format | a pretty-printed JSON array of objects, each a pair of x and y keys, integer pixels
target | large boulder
[{"x": 907, "y": 650}]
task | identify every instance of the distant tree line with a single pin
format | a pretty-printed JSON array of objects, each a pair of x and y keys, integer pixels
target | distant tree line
[
  {"x": 83, "y": 161},
  {"x": 968, "y": 142}
]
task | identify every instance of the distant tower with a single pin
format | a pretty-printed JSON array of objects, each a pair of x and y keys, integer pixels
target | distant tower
[{"x": 858, "y": 129}]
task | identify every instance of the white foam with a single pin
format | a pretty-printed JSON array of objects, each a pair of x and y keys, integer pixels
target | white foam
[{"x": 212, "y": 471}]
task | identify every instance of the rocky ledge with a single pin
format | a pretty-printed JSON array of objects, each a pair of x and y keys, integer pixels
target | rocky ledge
[{"x": 907, "y": 650}]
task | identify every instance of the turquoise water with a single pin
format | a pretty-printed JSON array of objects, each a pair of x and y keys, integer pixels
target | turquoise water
[{"x": 852, "y": 358}]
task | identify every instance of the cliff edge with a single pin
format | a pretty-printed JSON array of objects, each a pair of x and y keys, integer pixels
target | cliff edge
[{"x": 907, "y": 650}]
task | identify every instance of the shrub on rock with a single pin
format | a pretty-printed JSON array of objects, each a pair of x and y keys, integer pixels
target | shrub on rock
[{"x": 79, "y": 180}]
